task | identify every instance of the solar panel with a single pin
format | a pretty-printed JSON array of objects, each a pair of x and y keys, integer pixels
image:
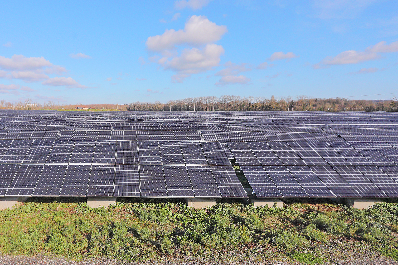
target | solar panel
[{"x": 177, "y": 154}]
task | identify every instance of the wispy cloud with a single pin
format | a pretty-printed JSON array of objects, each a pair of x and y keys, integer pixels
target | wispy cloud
[
  {"x": 365, "y": 71},
  {"x": 176, "y": 16},
  {"x": 29, "y": 76},
  {"x": 142, "y": 60},
  {"x": 264, "y": 65},
  {"x": 225, "y": 80},
  {"x": 355, "y": 57},
  {"x": 13, "y": 89},
  {"x": 390, "y": 26},
  {"x": 79, "y": 56},
  {"x": 35, "y": 69},
  {"x": 50, "y": 98},
  {"x": 280, "y": 3},
  {"x": 63, "y": 81},
  {"x": 8, "y": 44},
  {"x": 26, "y": 88},
  {"x": 350, "y": 57},
  {"x": 20, "y": 62},
  {"x": 153, "y": 91},
  {"x": 233, "y": 69},
  {"x": 193, "y": 4},
  {"x": 383, "y": 47},
  {"x": 3, "y": 74},
  {"x": 282, "y": 56},
  {"x": 36, "y": 64},
  {"x": 340, "y": 9},
  {"x": 273, "y": 76},
  {"x": 9, "y": 89},
  {"x": 140, "y": 79},
  {"x": 230, "y": 74}
]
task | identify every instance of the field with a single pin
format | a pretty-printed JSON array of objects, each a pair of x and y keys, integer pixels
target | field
[{"x": 226, "y": 233}]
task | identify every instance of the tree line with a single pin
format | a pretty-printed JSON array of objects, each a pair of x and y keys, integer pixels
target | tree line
[
  {"x": 236, "y": 103},
  {"x": 223, "y": 103}
]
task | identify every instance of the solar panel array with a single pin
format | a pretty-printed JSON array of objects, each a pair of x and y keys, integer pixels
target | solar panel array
[{"x": 186, "y": 154}]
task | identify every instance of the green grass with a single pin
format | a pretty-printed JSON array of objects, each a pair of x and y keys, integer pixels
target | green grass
[{"x": 158, "y": 231}]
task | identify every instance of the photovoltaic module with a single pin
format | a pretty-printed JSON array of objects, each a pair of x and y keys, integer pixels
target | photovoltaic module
[{"x": 198, "y": 154}]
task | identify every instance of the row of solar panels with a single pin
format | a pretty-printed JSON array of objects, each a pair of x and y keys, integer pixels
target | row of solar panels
[
  {"x": 258, "y": 153},
  {"x": 279, "y": 152},
  {"x": 148, "y": 181}
]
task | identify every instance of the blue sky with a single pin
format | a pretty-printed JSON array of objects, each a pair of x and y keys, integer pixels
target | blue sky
[{"x": 71, "y": 52}]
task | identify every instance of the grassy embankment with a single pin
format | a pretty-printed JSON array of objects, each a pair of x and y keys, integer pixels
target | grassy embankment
[{"x": 226, "y": 232}]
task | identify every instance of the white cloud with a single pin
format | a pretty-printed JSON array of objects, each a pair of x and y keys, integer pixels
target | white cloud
[
  {"x": 26, "y": 88},
  {"x": 193, "y": 4},
  {"x": 383, "y": 47},
  {"x": 355, "y": 57},
  {"x": 229, "y": 79},
  {"x": 153, "y": 91},
  {"x": 198, "y": 31},
  {"x": 264, "y": 65},
  {"x": 20, "y": 62},
  {"x": 79, "y": 56},
  {"x": 366, "y": 71},
  {"x": 274, "y": 76},
  {"x": 179, "y": 77},
  {"x": 8, "y": 44},
  {"x": 281, "y": 56},
  {"x": 154, "y": 58},
  {"x": 63, "y": 81},
  {"x": 51, "y": 98},
  {"x": 330, "y": 9},
  {"x": 142, "y": 60},
  {"x": 176, "y": 16},
  {"x": 3, "y": 74},
  {"x": 140, "y": 79},
  {"x": 162, "y": 20},
  {"x": 13, "y": 89},
  {"x": 350, "y": 57},
  {"x": 389, "y": 26},
  {"x": 280, "y": 3},
  {"x": 109, "y": 79},
  {"x": 34, "y": 69},
  {"x": 29, "y": 76},
  {"x": 56, "y": 69},
  {"x": 230, "y": 74},
  {"x": 9, "y": 89},
  {"x": 30, "y": 69},
  {"x": 233, "y": 69},
  {"x": 193, "y": 61}
]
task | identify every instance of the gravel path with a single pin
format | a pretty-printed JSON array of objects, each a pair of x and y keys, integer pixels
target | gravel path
[{"x": 43, "y": 260}]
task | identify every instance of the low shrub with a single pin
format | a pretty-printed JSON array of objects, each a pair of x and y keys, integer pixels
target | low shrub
[{"x": 152, "y": 231}]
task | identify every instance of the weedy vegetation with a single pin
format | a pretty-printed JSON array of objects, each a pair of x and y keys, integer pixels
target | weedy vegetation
[{"x": 136, "y": 232}]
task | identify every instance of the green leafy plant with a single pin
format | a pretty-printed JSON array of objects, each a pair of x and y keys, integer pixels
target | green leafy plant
[{"x": 158, "y": 231}]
